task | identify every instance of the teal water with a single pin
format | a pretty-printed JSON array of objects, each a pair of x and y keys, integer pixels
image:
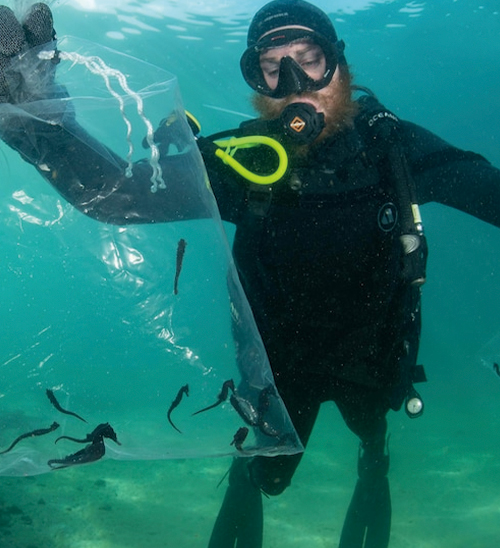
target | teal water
[{"x": 436, "y": 64}]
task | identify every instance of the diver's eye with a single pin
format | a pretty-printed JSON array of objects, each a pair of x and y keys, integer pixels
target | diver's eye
[
  {"x": 272, "y": 73},
  {"x": 312, "y": 63}
]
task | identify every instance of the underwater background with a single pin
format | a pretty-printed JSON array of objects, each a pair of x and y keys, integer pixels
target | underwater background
[{"x": 436, "y": 64}]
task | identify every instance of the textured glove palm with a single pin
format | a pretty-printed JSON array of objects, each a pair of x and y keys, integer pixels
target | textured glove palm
[{"x": 24, "y": 81}]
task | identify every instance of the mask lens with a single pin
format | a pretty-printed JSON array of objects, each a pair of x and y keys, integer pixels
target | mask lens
[{"x": 290, "y": 75}]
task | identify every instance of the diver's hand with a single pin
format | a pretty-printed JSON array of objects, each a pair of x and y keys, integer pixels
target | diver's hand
[
  {"x": 172, "y": 131},
  {"x": 24, "y": 80}
]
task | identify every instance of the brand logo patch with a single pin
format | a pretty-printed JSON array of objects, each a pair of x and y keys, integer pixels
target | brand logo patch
[
  {"x": 387, "y": 217},
  {"x": 297, "y": 124},
  {"x": 381, "y": 115}
]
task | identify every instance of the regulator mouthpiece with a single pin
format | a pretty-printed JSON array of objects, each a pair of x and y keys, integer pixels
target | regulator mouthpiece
[{"x": 302, "y": 123}]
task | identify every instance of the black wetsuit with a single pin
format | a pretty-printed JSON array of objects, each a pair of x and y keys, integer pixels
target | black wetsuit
[
  {"x": 321, "y": 267},
  {"x": 318, "y": 255}
]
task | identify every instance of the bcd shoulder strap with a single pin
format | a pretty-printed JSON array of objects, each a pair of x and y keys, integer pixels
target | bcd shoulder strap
[
  {"x": 381, "y": 130},
  {"x": 382, "y": 133}
]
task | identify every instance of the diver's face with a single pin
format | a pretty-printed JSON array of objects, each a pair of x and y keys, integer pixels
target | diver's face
[
  {"x": 307, "y": 55},
  {"x": 334, "y": 101}
]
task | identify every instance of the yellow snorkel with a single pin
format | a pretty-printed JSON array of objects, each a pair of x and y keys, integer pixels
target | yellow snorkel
[
  {"x": 228, "y": 148},
  {"x": 298, "y": 124}
]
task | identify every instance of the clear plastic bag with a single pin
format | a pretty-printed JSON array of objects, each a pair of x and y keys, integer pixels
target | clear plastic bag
[{"x": 110, "y": 322}]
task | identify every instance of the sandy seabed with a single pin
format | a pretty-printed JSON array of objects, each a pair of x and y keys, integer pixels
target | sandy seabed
[{"x": 444, "y": 485}]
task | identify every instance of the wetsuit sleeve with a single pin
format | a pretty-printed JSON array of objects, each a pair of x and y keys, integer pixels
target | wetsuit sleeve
[
  {"x": 92, "y": 178},
  {"x": 228, "y": 187},
  {"x": 453, "y": 177}
]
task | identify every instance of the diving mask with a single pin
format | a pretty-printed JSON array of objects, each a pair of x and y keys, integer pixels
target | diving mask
[{"x": 292, "y": 78}]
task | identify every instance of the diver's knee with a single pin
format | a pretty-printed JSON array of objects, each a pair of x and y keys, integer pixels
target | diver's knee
[
  {"x": 239, "y": 475},
  {"x": 373, "y": 460},
  {"x": 271, "y": 475}
]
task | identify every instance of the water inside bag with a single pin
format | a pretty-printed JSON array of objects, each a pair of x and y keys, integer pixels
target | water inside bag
[{"x": 110, "y": 322}]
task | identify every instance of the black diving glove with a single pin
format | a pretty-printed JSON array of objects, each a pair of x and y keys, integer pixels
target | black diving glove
[
  {"x": 24, "y": 76},
  {"x": 171, "y": 132}
]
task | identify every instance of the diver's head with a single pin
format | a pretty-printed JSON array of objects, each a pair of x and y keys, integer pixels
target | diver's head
[
  {"x": 292, "y": 49},
  {"x": 294, "y": 56}
]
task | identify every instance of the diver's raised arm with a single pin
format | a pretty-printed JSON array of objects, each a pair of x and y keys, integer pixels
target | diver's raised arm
[
  {"x": 94, "y": 180},
  {"x": 450, "y": 176},
  {"x": 36, "y": 120}
]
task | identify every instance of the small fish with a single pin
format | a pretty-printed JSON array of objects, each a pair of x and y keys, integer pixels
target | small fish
[
  {"x": 245, "y": 410},
  {"x": 102, "y": 431},
  {"x": 265, "y": 399},
  {"x": 255, "y": 417},
  {"x": 183, "y": 390},
  {"x": 240, "y": 437},
  {"x": 91, "y": 453},
  {"x": 94, "y": 451},
  {"x": 268, "y": 430},
  {"x": 39, "y": 432},
  {"x": 181, "y": 249},
  {"x": 496, "y": 368},
  {"x": 228, "y": 385},
  {"x": 55, "y": 403}
]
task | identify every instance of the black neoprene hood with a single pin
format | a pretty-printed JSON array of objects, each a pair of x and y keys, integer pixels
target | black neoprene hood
[{"x": 283, "y": 13}]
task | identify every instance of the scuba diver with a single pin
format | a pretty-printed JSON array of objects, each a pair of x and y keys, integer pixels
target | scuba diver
[{"x": 331, "y": 252}]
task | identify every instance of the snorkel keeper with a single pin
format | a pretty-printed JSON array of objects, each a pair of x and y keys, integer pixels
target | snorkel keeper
[{"x": 282, "y": 22}]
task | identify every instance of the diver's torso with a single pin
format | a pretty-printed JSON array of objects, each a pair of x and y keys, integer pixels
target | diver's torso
[
  {"x": 324, "y": 250},
  {"x": 320, "y": 258}
]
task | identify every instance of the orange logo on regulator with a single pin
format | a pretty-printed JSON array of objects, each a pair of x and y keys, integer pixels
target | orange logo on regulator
[{"x": 297, "y": 124}]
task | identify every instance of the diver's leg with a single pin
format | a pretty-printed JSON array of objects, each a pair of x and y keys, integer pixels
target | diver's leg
[
  {"x": 240, "y": 520},
  {"x": 368, "y": 520}
]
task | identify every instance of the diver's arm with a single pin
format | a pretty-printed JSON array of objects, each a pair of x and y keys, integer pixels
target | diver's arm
[
  {"x": 37, "y": 121},
  {"x": 92, "y": 178},
  {"x": 228, "y": 187},
  {"x": 453, "y": 177}
]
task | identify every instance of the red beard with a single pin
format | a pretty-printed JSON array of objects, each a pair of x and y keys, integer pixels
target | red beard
[{"x": 335, "y": 101}]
